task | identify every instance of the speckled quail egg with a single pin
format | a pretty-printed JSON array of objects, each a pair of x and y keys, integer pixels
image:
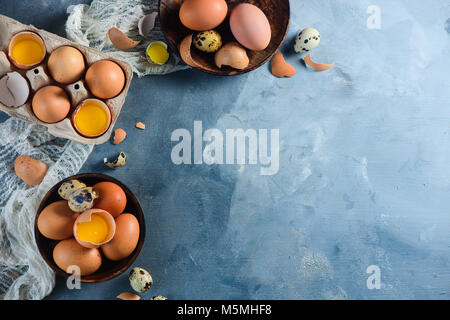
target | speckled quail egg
[
  {"x": 140, "y": 280},
  {"x": 308, "y": 39},
  {"x": 159, "y": 298},
  {"x": 68, "y": 187},
  {"x": 82, "y": 199},
  {"x": 208, "y": 41},
  {"x": 117, "y": 163}
]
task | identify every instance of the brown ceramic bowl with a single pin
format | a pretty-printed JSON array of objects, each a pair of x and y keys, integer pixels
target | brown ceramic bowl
[
  {"x": 277, "y": 12},
  {"x": 109, "y": 269}
]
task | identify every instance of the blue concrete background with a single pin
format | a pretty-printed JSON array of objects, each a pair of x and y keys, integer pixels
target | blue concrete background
[{"x": 364, "y": 173}]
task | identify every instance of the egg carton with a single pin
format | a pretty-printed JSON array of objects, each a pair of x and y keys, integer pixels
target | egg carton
[{"x": 39, "y": 77}]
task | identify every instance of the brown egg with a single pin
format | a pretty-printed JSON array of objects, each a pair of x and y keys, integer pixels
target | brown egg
[
  {"x": 250, "y": 26},
  {"x": 29, "y": 170},
  {"x": 105, "y": 79},
  {"x": 51, "y": 104},
  {"x": 125, "y": 240},
  {"x": 56, "y": 221},
  {"x": 68, "y": 253},
  {"x": 94, "y": 228},
  {"x": 66, "y": 64},
  {"x": 202, "y": 15},
  {"x": 111, "y": 198}
]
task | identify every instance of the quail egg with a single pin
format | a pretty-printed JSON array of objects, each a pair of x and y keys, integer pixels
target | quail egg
[
  {"x": 68, "y": 187},
  {"x": 307, "y": 40},
  {"x": 140, "y": 280},
  {"x": 82, "y": 199},
  {"x": 208, "y": 41},
  {"x": 159, "y": 298}
]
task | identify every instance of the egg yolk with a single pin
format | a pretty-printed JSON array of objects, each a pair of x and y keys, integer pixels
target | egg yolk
[
  {"x": 157, "y": 53},
  {"x": 27, "y": 50},
  {"x": 95, "y": 231},
  {"x": 92, "y": 119}
]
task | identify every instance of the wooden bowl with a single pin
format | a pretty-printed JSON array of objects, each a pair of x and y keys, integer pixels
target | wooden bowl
[
  {"x": 277, "y": 12},
  {"x": 109, "y": 269}
]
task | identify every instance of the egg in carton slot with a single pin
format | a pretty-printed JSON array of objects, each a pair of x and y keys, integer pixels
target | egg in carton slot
[{"x": 62, "y": 89}]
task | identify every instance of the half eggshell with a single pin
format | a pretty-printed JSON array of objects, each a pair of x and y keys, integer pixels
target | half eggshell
[
  {"x": 24, "y": 35},
  {"x": 86, "y": 217}
]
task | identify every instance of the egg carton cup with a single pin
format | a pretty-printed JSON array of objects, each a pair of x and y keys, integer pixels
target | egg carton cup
[{"x": 39, "y": 77}]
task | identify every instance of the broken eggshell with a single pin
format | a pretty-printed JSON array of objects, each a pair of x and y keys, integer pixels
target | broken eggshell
[
  {"x": 154, "y": 54},
  {"x": 146, "y": 24},
  {"x": 29, "y": 170},
  {"x": 69, "y": 187},
  {"x": 232, "y": 54},
  {"x": 317, "y": 66},
  {"x": 14, "y": 90},
  {"x": 128, "y": 296},
  {"x": 119, "y": 162},
  {"x": 120, "y": 40},
  {"x": 86, "y": 217},
  {"x": 119, "y": 135},
  {"x": 185, "y": 51},
  {"x": 280, "y": 68},
  {"x": 82, "y": 199}
]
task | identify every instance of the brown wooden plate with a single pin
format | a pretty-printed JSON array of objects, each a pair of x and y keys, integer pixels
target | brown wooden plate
[
  {"x": 109, "y": 269},
  {"x": 277, "y": 12}
]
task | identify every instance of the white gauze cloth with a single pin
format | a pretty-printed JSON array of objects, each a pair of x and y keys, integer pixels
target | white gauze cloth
[
  {"x": 23, "y": 272},
  {"x": 89, "y": 24}
]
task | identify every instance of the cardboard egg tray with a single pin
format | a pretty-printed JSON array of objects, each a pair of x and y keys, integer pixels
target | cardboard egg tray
[{"x": 39, "y": 77}]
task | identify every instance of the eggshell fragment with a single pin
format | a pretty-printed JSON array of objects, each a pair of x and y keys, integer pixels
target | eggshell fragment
[
  {"x": 120, "y": 161},
  {"x": 128, "y": 296},
  {"x": 119, "y": 135},
  {"x": 232, "y": 54},
  {"x": 140, "y": 125},
  {"x": 56, "y": 221},
  {"x": 86, "y": 217},
  {"x": 29, "y": 170},
  {"x": 5, "y": 65},
  {"x": 69, "y": 252},
  {"x": 14, "y": 90},
  {"x": 146, "y": 24},
  {"x": 125, "y": 240},
  {"x": 317, "y": 66},
  {"x": 120, "y": 40},
  {"x": 185, "y": 51},
  {"x": 280, "y": 68}
]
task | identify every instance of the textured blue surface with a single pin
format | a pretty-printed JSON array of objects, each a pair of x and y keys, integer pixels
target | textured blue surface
[{"x": 364, "y": 173}]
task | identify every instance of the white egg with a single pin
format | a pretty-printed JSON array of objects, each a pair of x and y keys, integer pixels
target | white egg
[
  {"x": 14, "y": 90},
  {"x": 308, "y": 39}
]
